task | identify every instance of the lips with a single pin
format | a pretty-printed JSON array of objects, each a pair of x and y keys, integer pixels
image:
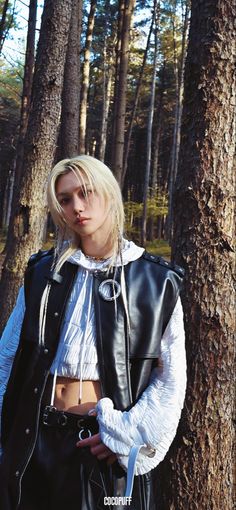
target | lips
[{"x": 80, "y": 220}]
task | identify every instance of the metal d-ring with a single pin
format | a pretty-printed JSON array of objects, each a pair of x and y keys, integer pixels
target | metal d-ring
[
  {"x": 62, "y": 419},
  {"x": 103, "y": 290},
  {"x": 84, "y": 430}
]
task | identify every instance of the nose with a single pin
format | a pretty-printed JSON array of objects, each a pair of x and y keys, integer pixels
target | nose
[{"x": 78, "y": 204}]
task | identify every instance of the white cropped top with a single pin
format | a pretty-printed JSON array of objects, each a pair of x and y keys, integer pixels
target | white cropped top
[{"x": 77, "y": 354}]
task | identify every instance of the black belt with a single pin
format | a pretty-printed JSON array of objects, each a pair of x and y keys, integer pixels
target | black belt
[{"x": 85, "y": 425}]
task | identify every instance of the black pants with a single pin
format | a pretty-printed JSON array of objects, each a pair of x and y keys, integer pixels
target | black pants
[{"x": 61, "y": 476}]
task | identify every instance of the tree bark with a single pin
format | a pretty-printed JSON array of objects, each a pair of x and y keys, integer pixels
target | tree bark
[
  {"x": 198, "y": 472},
  {"x": 134, "y": 109},
  {"x": 157, "y": 186},
  {"x": 156, "y": 12},
  {"x": 120, "y": 106},
  {"x": 71, "y": 87},
  {"x": 9, "y": 122},
  {"x": 108, "y": 66},
  {"x": 107, "y": 83},
  {"x": 3, "y": 23},
  {"x": 15, "y": 176},
  {"x": 179, "y": 86},
  {"x": 156, "y": 174},
  {"x": 27, "y": 89},
  {"x": 121, "y": 8},
  {"x": 85, "y": 78},
  {"x": 26, "y": 226}
]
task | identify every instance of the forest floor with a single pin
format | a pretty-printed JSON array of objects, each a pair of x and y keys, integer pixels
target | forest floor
[{"x": 159, "y": 247}]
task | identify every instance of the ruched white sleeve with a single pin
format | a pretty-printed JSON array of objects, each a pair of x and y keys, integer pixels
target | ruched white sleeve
[
  {"x": 9, "y": 343},
  {"x": 153, "y": 420}
]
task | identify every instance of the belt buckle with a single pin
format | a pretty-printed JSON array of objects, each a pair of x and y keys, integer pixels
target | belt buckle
[{"x": 47, "y": 411}]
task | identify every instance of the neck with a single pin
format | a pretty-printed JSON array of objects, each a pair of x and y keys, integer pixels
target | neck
[{"x": 97, "y": 250}]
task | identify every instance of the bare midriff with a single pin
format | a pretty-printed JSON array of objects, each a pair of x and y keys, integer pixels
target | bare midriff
[{"x": 67, "y": 395}]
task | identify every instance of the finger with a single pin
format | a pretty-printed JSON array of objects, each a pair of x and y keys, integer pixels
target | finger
[
  {"x": 101, "y": 448},
  {"x": 103, "y": 456},
  {"x": 107, "y": 455},
  {"x": 111, "y": 459},
  {"x": 93, "y": 412},
  {"x": 89, "y": 441}
]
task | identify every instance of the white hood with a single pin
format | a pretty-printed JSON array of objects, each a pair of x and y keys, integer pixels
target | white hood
[{"x": 130, "y": 252}]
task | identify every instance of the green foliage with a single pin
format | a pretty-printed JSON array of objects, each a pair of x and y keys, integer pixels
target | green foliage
[
  {"x": 156, "y": 206},
  {"x": 11, "y": 80},
  {"x": 10, "y": 91},
  {"x": 159, "y": 247}
]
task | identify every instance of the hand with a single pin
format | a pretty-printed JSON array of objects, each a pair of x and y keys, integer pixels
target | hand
[{"x": 98, "y": 448}]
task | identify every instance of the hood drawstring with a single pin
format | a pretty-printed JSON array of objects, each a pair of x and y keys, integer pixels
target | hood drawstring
[
  {"x": 53, "y": 388},
  {"x": 124, "y": 297},
  {"x": 83, "y": 343},
  {"x": 43, "y": 313}
]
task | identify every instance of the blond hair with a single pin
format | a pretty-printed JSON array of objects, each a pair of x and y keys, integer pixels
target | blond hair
[{"x": 103, "y": 182}]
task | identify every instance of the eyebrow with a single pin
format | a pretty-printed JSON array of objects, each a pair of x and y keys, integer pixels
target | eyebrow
[{"x": 64, "y": 193}]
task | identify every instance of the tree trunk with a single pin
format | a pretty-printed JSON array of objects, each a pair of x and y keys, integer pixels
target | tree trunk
[
  {"x": 181, "y": 83},
  {"x": 3, "y": 23},
  {"x": 85, "y": 77},
  {"x": 26, "y": 226},
  {"x": 108, "y": 59},
  {"x": 27, "y": 88},
  {"x": 156, "y": 13},
  {"x": 121, "y": 8},
  {"x": 156, "y": 186},
  {"x": 156, "y": 177},
  {"x": 198, "y": 472},
  {"x": 14, "y": 177},
  {"x": 179, "y": 86},
  {"x": 71, "y": 88},
  {"x": 7, "y": 200},
  {"x": 107, "y": 82},
  {"x": 120, "y": 104},
  {"x": 134, "y": 109}
]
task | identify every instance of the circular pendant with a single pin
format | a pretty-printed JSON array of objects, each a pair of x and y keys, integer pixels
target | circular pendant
[{"x": 109, "y": 290}]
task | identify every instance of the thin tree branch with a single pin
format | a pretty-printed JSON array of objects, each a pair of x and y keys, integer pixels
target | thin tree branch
[{"x": 23, "y": 3}]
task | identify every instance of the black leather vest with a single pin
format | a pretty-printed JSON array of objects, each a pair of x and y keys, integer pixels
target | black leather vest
[{"x": 125, "y": 357}]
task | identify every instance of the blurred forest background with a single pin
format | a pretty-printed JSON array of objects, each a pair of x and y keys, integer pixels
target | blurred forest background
[
  {"x": 147, "y": 87},
  {"x": 122, "y": 100}
]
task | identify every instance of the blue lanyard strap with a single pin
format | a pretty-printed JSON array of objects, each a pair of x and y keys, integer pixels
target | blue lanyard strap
[{"x": 131, "y": 469}]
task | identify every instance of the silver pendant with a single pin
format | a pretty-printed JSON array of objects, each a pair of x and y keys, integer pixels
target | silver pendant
[{"x": 109, "y": 290}]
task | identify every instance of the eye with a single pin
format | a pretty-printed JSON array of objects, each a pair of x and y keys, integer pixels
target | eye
[
  {"x": 64, "y": 201},
  {"x": 85, "y": 192}
]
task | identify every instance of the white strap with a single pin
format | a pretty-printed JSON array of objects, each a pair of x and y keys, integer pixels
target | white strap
[
  {"x": 53, "y": 388},
  {"x": 43, "y": 313},
  {"x": 83, "y": 344},
  {"x": 131, "y": 469}
]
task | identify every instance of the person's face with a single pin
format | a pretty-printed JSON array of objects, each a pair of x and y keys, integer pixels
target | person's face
[{"x": 84, "y": 211}]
